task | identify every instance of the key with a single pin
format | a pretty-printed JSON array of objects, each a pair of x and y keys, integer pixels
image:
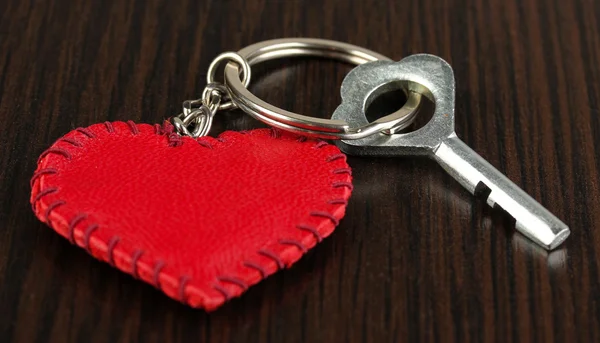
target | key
[{"x": 433, "y": 77}]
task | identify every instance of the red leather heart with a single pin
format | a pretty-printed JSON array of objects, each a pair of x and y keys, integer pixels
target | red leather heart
[{"x": 202, "y": 220}]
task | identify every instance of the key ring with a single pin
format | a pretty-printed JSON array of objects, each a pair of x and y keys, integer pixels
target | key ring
[
  {"x": 197, "y": 115},
  {"x": 315, "y": 127}
]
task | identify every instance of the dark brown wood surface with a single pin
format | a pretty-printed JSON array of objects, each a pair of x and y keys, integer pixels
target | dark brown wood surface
[{"x": 416, "y": 259}]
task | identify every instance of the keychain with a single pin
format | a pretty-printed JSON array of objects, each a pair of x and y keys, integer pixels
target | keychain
[{"x": 202, "y": 219}]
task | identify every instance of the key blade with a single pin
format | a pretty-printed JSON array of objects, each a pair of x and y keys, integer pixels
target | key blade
[{"x": 471, "y": 170}]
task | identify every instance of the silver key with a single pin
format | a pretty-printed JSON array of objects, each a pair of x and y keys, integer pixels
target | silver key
[{"x": 433, "y": 77}]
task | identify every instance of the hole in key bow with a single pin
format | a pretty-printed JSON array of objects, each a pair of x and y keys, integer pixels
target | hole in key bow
[
  {"x": 386, "y": 101},
  {"x": 389, "y": 98}
]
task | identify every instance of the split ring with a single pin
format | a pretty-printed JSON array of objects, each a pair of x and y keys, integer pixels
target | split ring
[{"x": 315, "y": 127}]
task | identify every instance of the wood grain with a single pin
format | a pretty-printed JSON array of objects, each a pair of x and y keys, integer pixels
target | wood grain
[{"x": 416, "y": 259}]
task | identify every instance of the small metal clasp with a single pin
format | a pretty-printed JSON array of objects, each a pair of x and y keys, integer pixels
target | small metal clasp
[{"x": 197, "y": 116}]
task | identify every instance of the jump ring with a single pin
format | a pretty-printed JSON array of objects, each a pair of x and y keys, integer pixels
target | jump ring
[{"x": 229, "y": 57}]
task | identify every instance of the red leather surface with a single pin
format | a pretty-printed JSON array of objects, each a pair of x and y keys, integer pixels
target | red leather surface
[{"x": 202, "y": 220}]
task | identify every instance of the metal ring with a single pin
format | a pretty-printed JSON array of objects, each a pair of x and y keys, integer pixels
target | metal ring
[
  {"x": 317, "y": 127},
  {"x": 230, "y": 57}
]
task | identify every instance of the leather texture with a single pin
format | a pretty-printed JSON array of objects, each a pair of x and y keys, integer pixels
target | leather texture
[{"x": 202, "y": 220}]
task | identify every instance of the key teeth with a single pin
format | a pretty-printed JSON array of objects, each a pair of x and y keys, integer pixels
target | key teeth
[{"x": 482, "y": 191}]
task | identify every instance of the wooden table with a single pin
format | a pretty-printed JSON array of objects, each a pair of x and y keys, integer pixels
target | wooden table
[{"x": 416, "y": 259}]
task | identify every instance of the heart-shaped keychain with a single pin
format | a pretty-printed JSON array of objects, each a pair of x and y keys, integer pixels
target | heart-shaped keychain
[
  {"x": 200, "y": 218},
  {"x": 204, "y": 218}
]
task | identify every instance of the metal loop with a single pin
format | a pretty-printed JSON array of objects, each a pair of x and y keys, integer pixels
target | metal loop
[
  {"x": 200, "y": 112},
  {"x": 212, "y": 69},
  {"x": 199, "y": 118},
  {"x": 316, "y": 127},
  {"x": 180, "y": 127}
]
